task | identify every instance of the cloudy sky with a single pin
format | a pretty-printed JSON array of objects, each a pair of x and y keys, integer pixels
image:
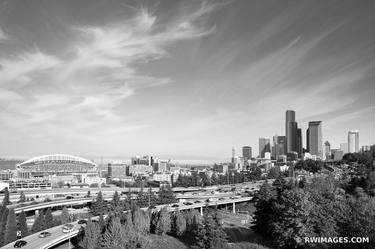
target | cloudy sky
[{"x": 181, "y": 79}]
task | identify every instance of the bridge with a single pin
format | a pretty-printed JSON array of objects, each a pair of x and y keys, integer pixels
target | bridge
[{"x": 57, "y": 236}]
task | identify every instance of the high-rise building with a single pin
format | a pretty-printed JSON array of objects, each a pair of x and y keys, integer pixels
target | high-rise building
[
  {"x": 353, "y": 141},
  {"x": 278, "y": 146},
  {"x": 327, "y": 150},
  {"x": 315, "y": 138},
  {"x": 233, "y": 154},
  {"x": 344, "y": 147},
  {"x": 290, "y": 131},
  {"x": 246, "y": 152},
  {"x": 281, "y": 142},
  {"x": 264, "y": 146},
  {"x": 299, "y": 142}
]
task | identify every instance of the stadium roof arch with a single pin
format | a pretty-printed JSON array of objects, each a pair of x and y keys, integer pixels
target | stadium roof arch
[{"x": 56, "y": 157}]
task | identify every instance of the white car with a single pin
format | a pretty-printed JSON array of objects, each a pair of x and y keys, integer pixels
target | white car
[{"x": 67, "y": 228}]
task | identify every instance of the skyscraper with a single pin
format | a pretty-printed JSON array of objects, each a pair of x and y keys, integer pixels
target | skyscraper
[
  {"x": 281, "y": 144},
  {"x": 264, "y": 146},
  {"x": 233, "y": 154},
  {"x": 327, "y": 150},
  {"x": 299, "y": 142},
  {"x": 246, "y": 152},
  {"x": 290, "y": 131},
  {"x": 353, "y": 141},
  {"x": 315, "y": 138}
]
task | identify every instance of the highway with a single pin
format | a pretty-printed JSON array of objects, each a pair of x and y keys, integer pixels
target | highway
[
  {"x": 57, "y": 236},
  {"x": 14, "y": 197},
  {"x": 78, "y": 201}
]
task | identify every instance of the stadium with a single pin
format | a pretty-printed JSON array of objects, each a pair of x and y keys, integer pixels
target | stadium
[{"x": 55, "y": 165}]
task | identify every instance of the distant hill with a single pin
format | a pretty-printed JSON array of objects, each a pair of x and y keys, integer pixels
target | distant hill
[{"x": 9, "y": 163}]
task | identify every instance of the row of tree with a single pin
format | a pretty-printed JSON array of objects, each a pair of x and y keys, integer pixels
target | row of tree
[
  {"x": 232, "y": 177},
  {"x": 143, "y": 199},
  {"x": 131, "y": 229},
  {"x": 10, "y": 223}
]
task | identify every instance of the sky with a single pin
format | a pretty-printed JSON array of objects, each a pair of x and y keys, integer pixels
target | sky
[{"x": 184, "y": 80}]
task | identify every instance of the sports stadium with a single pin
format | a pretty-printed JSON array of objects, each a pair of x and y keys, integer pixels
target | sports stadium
[{"x": 56, "y": 164}]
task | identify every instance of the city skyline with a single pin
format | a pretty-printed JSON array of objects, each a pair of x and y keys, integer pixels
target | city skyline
[{"x": 180, "y": 79}]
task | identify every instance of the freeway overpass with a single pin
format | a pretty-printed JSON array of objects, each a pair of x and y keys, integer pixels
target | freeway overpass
[
  {"x": 51, "y": 193},
  {"x": 108, "y": 193},
  {"x": 82, "y": 201},
  {"x": 57, "y": 236}
]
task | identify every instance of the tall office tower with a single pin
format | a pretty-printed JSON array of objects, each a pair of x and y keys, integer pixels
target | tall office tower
[
  {"x": 264, "y": 146},
  {"x": 327, "y": 150},
  {"x": 299, "y": 142},
  {"x": 274, "y": 147},
  {"x": 281, "y": 142},
  {"x": 344, "y": 147},
  {"x": 315, "y": 138},
  {"x": 353, "y": 141},
  {"x": 290, "y": 131},
  {"x": 246, "y": 152},
  {"x": 233, "y": 154}
]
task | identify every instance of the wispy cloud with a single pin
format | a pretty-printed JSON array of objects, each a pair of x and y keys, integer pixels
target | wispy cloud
[{"x": 83, "y": 88}]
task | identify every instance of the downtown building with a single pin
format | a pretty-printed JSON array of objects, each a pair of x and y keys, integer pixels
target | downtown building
[
  {"x": 247, "y": 153},
  {"x": 353, "y": 141},
  {"x": 314, "y": 139},
  {"x": 264, "y": 146},
  {"x": 278, "y": 147},
  {"x": 293, "y": 135}
]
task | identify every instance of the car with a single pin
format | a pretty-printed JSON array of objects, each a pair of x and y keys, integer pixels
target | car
[
  {"x": 188, "y": 203},
  {"x": 67, "y": 228},
  {"x": 152, "y": 207},
  {"x": 69, "y": 197},
  {"x": 20, "y": 243},
  {"x": 81, "y": 222},
  {"x": 197, "y": 201},
  {"x": 44, "y": 234},
  {"x": 222, "y": 198},
  {"x": 175, "y": 205}
]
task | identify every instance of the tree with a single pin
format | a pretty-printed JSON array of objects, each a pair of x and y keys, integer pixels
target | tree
[
  {"x": 39, "y": 223},
  {"x": 210, "y": 234},
  {"x": 192, "y": 220},
  {"x": 263, "y": 215},
  {"x": 22, "y": 197},
  {"x": 164, "y": 222},
  {"x": 179, "y": 224},
  {"x": 99, "y": 206},
  {"x": 273, "y": 173},
  {"x": 11, "y": 227},
  {"x": 6, "y": 200},
  {"x": 166, "y": 195},
  {"x": 4, "y": 218},
  {"x": 64, "y": 216},
  {"x": 49, "y": 218},
  {"x": 91, "y": 236},
  {"x": 291, "y": 219},
  {"x": 141, "y": 221},
  {"x": 214, "y": 180},
  {"x": 116, "y": 199},
  {"x": 22, "y": 224},
  {"x": 102, "y": 222},
  {"x": 114, "y": 236}
]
